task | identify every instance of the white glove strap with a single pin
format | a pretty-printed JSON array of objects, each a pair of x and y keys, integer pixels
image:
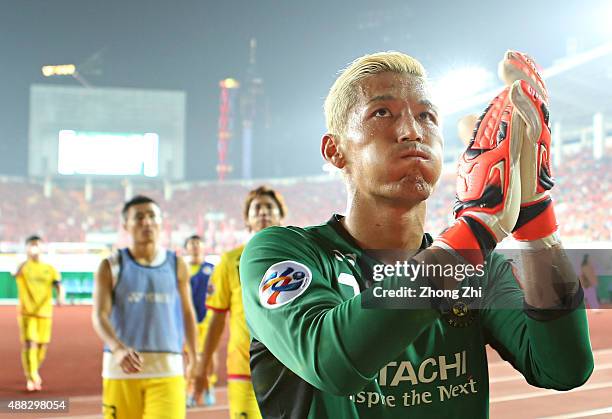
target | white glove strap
[{"x": 492, "y": 221}]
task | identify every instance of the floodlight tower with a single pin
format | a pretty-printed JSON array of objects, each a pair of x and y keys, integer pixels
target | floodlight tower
[
  {"x": 229, "y": 88},
  {"x": 249, "y": 105}
]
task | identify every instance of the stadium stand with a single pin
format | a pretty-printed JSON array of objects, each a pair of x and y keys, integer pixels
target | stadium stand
[{"x": 214, "y": 210}]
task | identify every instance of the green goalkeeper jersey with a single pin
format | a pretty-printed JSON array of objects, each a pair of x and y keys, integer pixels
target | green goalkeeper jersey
[{"x": 316, "y": 352}]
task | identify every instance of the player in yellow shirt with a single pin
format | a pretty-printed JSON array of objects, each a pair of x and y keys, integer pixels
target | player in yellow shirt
[
  {"x": 35, "y": 283},
  {"x": 263, "y": 208}
]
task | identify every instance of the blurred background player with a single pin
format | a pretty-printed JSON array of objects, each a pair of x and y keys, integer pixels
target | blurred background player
[
  {"x": 35, "y": 283},
  {"x": 199, "y": 272},
  {"x": 589, "y": 282},
  {"x": 143, "y": 313},
  {"x": 263, "y": 207}
]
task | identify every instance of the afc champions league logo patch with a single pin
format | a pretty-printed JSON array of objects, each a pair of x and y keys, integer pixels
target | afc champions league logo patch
[{"x": 283, "y": 282}]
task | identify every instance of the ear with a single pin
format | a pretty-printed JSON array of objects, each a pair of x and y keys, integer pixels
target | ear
[{"x": 330, "y": 149}]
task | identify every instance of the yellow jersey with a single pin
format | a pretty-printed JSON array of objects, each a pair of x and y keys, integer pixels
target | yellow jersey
[
  {"x": 226, "y": 295},
  {"x": 35, "y": 288}
]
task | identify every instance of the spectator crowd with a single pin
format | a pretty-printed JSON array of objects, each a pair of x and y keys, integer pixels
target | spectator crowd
[{"x": 63, "y": 212}]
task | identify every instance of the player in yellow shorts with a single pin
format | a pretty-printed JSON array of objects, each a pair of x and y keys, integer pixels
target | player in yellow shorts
[
  {"x": 199, "y": 272},
  {"x": 143, "y": 313},
  {"x": 263, "y": 208},
  {"x": 126, "y": 398},
  {"x": 35, "y": 283}
]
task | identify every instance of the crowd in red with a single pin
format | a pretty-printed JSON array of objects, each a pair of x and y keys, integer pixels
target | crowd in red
[{"x": 583, "y": 198}]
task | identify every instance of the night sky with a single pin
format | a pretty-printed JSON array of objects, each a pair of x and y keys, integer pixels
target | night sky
[{"x": 191, "y": 45}]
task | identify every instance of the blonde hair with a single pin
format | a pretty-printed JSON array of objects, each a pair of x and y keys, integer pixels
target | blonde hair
[{"x": 343, "y": 96}]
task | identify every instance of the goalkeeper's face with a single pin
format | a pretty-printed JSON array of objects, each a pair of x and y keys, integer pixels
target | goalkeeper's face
[{"x": 393, "y": 141}]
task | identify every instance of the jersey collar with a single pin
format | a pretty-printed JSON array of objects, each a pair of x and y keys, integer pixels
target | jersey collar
[{"x": 335, "y": 223}]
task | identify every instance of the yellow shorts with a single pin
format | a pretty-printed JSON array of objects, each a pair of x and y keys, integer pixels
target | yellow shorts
[
  {"x": 242, "y": 401},
  {"x": 34, "y": 329},
  {"x": 147, "y": 398}
]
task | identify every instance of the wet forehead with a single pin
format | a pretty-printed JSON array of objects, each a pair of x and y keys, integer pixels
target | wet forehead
[{"x": 388, "y": 85}]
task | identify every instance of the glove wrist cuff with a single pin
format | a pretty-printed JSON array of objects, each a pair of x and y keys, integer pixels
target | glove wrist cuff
[
  {"x": 467, "y": 238},
  {"x": 540, "y": 225}
]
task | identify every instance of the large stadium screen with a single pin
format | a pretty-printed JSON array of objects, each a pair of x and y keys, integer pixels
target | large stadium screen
[{"x": 102, "y": 153}]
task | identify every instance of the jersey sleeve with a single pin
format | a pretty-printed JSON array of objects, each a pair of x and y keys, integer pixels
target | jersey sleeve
[
  {"x": 334, "y": 344},
  {"x": 55, "y": 275},
  {"x": 551, "y": 354},
  {"x": 219, "y": 298}
]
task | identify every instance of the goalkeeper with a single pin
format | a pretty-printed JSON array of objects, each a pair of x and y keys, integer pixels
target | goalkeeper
[{"x": 323, "y": 344}]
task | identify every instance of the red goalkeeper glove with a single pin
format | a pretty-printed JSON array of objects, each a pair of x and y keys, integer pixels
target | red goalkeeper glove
[
  {"x": 488, "y": 183},
  {"x": 537, "y": 218}
]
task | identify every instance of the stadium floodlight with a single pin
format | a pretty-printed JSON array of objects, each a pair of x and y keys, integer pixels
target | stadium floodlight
[
  {"x": 229, "y": 83},
  {"x": 459, "y": 84},
  {"x": 65, "y": 70},
  {"x": 59, "y": 70}
]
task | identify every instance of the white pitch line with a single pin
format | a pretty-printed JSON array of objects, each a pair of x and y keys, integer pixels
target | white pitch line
[
  {"x": 546, "y": 393},
  {"x": 84, "y": 399},
  {"x": 518, "y": 376},
  {"x": 584, "y": 414},
  {"x": 596, "y": 353},
  {"x": 506, "y": 378}
]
